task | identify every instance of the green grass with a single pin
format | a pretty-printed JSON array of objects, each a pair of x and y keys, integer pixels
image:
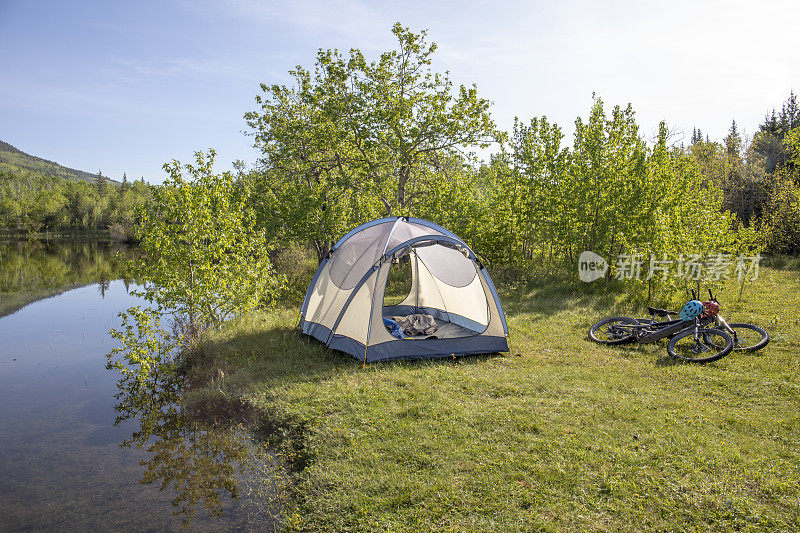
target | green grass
[{"x": 559, "y": 434}]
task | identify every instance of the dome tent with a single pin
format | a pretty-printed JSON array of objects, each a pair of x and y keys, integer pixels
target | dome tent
[{"x": 344, "y": 308}]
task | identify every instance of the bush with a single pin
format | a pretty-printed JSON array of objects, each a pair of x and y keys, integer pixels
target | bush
[
  {"x": 297, "y": 264},
  {"x": 202, "y": 257}
]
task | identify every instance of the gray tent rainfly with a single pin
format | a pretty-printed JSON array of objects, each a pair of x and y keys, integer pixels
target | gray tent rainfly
[{"x": 344, "y": 304}]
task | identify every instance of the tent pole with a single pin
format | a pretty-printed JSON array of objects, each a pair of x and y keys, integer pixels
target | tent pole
[
  {"x": 415, "y": 273},
  {"x": 372, "y": 307}
]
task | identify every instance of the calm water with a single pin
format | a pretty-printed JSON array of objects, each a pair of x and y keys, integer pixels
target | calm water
[{"x": 62, "y": 466}]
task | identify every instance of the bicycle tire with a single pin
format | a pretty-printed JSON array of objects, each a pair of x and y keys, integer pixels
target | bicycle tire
[
  {"x": 686, "y": 353},
  {"x": 737, "y": 326},
  {"x": 621, "y": 337}
]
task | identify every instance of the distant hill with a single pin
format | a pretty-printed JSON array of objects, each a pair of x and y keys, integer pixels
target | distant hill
[{"x": 15, "y": 160}]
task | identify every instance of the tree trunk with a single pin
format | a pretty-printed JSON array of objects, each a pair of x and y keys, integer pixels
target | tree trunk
[
  {"x": 192, "y": 318},
  {"x": 402, "y": 180},
  {"x": 322, "y": 247}
]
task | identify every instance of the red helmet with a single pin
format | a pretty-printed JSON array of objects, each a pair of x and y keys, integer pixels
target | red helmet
[{"x": 710, "y": 308}]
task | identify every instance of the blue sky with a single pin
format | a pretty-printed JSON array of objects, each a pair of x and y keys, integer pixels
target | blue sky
[{"x": 127, "y": 86}]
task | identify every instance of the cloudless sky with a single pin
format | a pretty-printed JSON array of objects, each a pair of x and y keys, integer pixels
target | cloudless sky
[{"x": 126, "y": 86}]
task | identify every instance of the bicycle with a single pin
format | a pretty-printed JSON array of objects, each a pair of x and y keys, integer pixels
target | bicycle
[
  {"x": 690, "y": 338},
  {"x": 746, "y": 337}
]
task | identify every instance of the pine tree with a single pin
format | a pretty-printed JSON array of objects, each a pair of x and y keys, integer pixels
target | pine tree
[
  {"x": 770, "y": 124},
  {"x": 733, "y": 142},
  {"x": 790, "y": 114},
  {"x": 100, "y": 183},
  {"x": 768, "y": 142}
]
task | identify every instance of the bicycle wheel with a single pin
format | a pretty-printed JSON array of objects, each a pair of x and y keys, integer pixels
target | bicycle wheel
[
  {"x": 748, "y": 338},
  {"x": 711, "y": 345},
  {"x": 608, "y": 330}
]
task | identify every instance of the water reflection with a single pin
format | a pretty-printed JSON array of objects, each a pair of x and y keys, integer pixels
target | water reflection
[
  {"x": 204, "y": 465},
  {"x": 34, "y": 270},
  {"x": 62, "y": 465}
]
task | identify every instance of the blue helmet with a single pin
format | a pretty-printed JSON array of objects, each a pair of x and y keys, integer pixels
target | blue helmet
[{"x": 691, "y": 310}]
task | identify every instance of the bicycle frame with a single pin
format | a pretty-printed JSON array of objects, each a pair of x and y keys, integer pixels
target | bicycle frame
[
  {"x": 654, "y": 331},
  {"x": 718, "y": 321}
]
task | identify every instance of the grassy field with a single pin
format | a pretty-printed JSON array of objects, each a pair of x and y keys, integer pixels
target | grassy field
[{"x": 559, "y": 434}]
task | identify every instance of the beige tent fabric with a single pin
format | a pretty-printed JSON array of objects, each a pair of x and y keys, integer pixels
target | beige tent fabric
[
  {"x": 357, "y": 255},
  {"x": 448, "y": 265},
  {"x": 326, "y": 301},
  {"x": 377, "y": 331},
  {"x": 355, "y": 321},
  {"x": 495, "y": 327},
  {"x": 424, "y": 292},
  {"x": 470, "y": 301}
]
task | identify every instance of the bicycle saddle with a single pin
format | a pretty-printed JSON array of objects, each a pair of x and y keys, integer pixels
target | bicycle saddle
[{"x": 659, "y": 312}]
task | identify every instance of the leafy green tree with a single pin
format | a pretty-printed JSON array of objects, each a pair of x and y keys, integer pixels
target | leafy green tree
[
  {"x": 611, "y": 193},
  {"x": 792, "y": 143},
  {"x": 10, "y": 212},
  {"x": 353, "y": 138},
  {"x": 782, "y": 222},
  {"x": 606, "y": 189},
  {"x": 782, "y": 213},
  {"x": 202, "y": 257},
  {"x": 534, "y": 184}
]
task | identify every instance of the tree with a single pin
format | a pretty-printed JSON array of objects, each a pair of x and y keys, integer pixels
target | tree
[
  {"x": 354, "y": 139},
  {"x": 792, "y": 145},
  {"x": 100, "y": 183},
  {"x": 769, "y": 141},
  {"x": 202, "y": 257},
  {"x": 790, "y": 113},
  {"x": 782, "y": 215},
  {"x": 737, "y": 170},
  {"x": 611, "y": 194},
  {"x": 733, "y": 141},
  {"x": 782, "y": 212}
]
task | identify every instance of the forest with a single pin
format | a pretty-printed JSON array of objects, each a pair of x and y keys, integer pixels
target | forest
[{"x": 32, "y": 203}]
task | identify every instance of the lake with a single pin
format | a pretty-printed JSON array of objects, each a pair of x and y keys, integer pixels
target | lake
[{"x": 63, "y": 465}]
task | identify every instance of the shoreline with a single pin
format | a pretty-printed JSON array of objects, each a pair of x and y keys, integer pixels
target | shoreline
[{"x": 74, "y": 235}]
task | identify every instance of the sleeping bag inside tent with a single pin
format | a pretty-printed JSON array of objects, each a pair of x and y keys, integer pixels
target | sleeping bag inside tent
[{"x": 452, "y": 306}]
